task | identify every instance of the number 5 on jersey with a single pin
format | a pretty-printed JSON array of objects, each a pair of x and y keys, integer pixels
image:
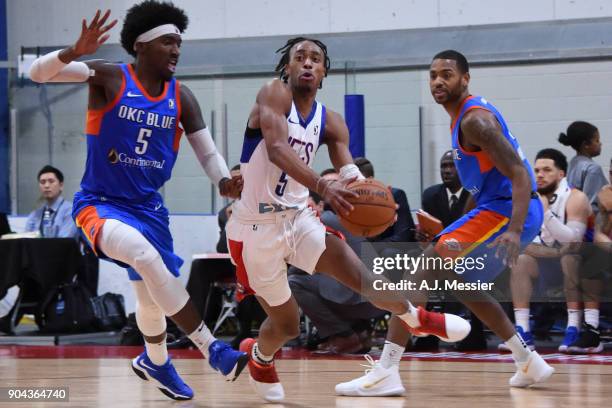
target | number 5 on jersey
[{"x": 143, "y": 144}]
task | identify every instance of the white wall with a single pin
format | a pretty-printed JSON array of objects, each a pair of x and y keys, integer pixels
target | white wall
[{"x": 57, "y": 22}]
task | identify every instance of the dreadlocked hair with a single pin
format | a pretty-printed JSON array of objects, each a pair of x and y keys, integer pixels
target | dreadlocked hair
[
  {"x": 146, "y": 15},
  {"x": 285, "y": 50}
]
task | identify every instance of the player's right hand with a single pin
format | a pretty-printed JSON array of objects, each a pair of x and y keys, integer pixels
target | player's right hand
[
  {"x": 336, "y": 195},
  {"x": 94, "y": 34}
]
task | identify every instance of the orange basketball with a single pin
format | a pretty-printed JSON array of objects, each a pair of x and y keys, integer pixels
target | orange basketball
[{"x": 374, "y": 209}]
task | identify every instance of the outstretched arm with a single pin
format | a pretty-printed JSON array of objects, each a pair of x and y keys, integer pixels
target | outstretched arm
[
  {"x": 60, "y": 66},
  {"x": 481, "y": 130}
]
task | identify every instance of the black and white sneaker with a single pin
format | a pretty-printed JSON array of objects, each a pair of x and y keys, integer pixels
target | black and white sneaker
[{"x": 587, "y": 343}]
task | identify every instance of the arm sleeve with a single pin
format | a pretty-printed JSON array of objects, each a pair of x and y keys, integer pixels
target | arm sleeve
[
  {"x": 208, "y": 156},
  {"x": 573, "y": 231},
  {"x": 49, "y": 68}
]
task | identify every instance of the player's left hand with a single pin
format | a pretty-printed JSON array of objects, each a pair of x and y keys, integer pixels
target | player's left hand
[
  {"x": 508, "y": 247},
  {"x": 231, "y": 187}
]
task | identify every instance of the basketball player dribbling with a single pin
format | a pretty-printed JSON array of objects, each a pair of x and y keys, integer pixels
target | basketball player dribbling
[
  {"x": 135, "y": 118},
  {"x": 508, "y": 216},
  {"x": 271, "y": 225}
]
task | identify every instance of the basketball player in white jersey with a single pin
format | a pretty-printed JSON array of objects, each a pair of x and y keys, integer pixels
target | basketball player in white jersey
[
  {"x": 567, "y": 214},
  {"x": 271, "y": 224}
]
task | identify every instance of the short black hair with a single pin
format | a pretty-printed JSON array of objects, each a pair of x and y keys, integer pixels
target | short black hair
[
  {"x": 50, "y": 169},
  {"x": 328, "y": 171},
  {"x": 236, "y": 167},
  {"x": 365, "y": 166},
  {"x": 315, "y": 197},
  {"x": 448, "y": 152},
  {"x": 456, "y": 56},
  {"x": 554, "y": 155},
  {"x": 285, "y": 50},
  {"x": 149, "y": 14},
  {"x": 578, "y": 132}
]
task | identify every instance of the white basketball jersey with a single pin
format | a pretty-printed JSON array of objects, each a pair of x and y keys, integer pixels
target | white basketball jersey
[
  {"x": 267, "y": 189},
  {"x": 557, "y": 207}
]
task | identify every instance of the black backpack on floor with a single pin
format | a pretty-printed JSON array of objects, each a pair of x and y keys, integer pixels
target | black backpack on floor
[
  {"x": 109, "y": 312},
  {"x": 66, "y": 309}
]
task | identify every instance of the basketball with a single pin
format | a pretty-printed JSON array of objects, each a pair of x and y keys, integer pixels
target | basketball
[{"x": 374, "y": 209}]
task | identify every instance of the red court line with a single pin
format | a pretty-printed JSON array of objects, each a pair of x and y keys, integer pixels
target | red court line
[{"x": 98, "y": 352}]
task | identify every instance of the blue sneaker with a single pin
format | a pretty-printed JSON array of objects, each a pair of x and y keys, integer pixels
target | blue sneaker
[
  {"x": 165, "y": 376},
  {"x": 526, "y": 336},
  {"x": 225, "y": 359},
  {"x": 571, "y": 335}
]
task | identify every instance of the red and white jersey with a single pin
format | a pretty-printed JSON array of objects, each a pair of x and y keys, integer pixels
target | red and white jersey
[{"x": 267, "y": 189}]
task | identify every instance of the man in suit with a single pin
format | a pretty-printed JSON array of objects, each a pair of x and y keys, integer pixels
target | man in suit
[{"x": 447, "y": 202}]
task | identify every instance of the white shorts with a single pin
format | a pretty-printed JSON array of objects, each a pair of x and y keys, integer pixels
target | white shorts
[{"x": 262, "y": 250}]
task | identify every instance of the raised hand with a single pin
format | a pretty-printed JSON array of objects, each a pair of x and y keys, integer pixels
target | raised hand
[{"x": 94, "y": 34}]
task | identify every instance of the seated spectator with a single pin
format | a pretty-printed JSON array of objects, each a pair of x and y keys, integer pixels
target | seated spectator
[
  {"x": 54, "y": 218},
  {"x": 553, "y": 256},
  {"x": 340, "y": 315},
  {"x": 583, "y": 173},
  {"x": 448, "y": 201}
]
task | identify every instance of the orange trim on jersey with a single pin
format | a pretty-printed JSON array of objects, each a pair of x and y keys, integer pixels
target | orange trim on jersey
[
  {"x": 179, "y": 110},
  {"x": 469, "y": 236},
  {"x": 91, "y": 224},
  {"x": 454, "y": 122},
  {"x": 242, "y": 278},
  {"x": 484, "y": 161},
  {"x": 161, "y": 96},
  {"x": 93, "y": 121}
]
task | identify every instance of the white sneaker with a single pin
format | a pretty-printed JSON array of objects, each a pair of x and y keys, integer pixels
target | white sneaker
[
  {"x": 532, "y": 371},
  {"x": 377, "y": 382}
]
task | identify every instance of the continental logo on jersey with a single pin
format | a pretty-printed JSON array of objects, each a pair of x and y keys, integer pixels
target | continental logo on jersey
[{"x": 115, "y": 157}]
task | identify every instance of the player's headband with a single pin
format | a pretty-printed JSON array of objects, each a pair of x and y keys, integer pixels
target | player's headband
[{"x": 157, "y": 32}]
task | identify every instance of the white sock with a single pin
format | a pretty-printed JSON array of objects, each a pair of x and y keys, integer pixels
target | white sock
[
  {"x": 591, "y": 317},
  {"x": 521, "y": 317},
  {"x": 157, "y": 352},
  {"x": 411, "y": 316},
  {"x": 202, "y": 338},
  {"x": 259, "y": 356},
  {"x": 520, "y": 350},
  {"x": 573, "y": 317},
  {"x": 391, "y": 354}
]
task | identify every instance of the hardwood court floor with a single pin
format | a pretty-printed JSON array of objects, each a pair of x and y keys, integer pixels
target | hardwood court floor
[{"x": 109, "y": 382}]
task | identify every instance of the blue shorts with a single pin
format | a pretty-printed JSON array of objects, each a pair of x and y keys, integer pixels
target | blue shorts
[
  {"x": 469, "y": 236},
  {"x": 150, "y": 219}
]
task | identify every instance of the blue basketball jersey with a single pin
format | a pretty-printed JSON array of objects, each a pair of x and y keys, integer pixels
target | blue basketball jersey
[
  {"x": 489, "y": 187},
  {"x": 133, "y": 142}
]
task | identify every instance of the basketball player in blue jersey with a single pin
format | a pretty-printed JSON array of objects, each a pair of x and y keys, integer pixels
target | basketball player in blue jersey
[
  {"x": 271, "y": 225},
  {"x": 508, "y": 215},
  {"x": 136, "y": 115}
]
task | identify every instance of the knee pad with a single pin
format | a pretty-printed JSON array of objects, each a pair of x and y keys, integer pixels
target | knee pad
[{"x": 150, "y": 318}]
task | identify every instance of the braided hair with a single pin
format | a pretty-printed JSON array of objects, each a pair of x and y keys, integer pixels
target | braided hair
[{"x": 285, "y": 50}]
